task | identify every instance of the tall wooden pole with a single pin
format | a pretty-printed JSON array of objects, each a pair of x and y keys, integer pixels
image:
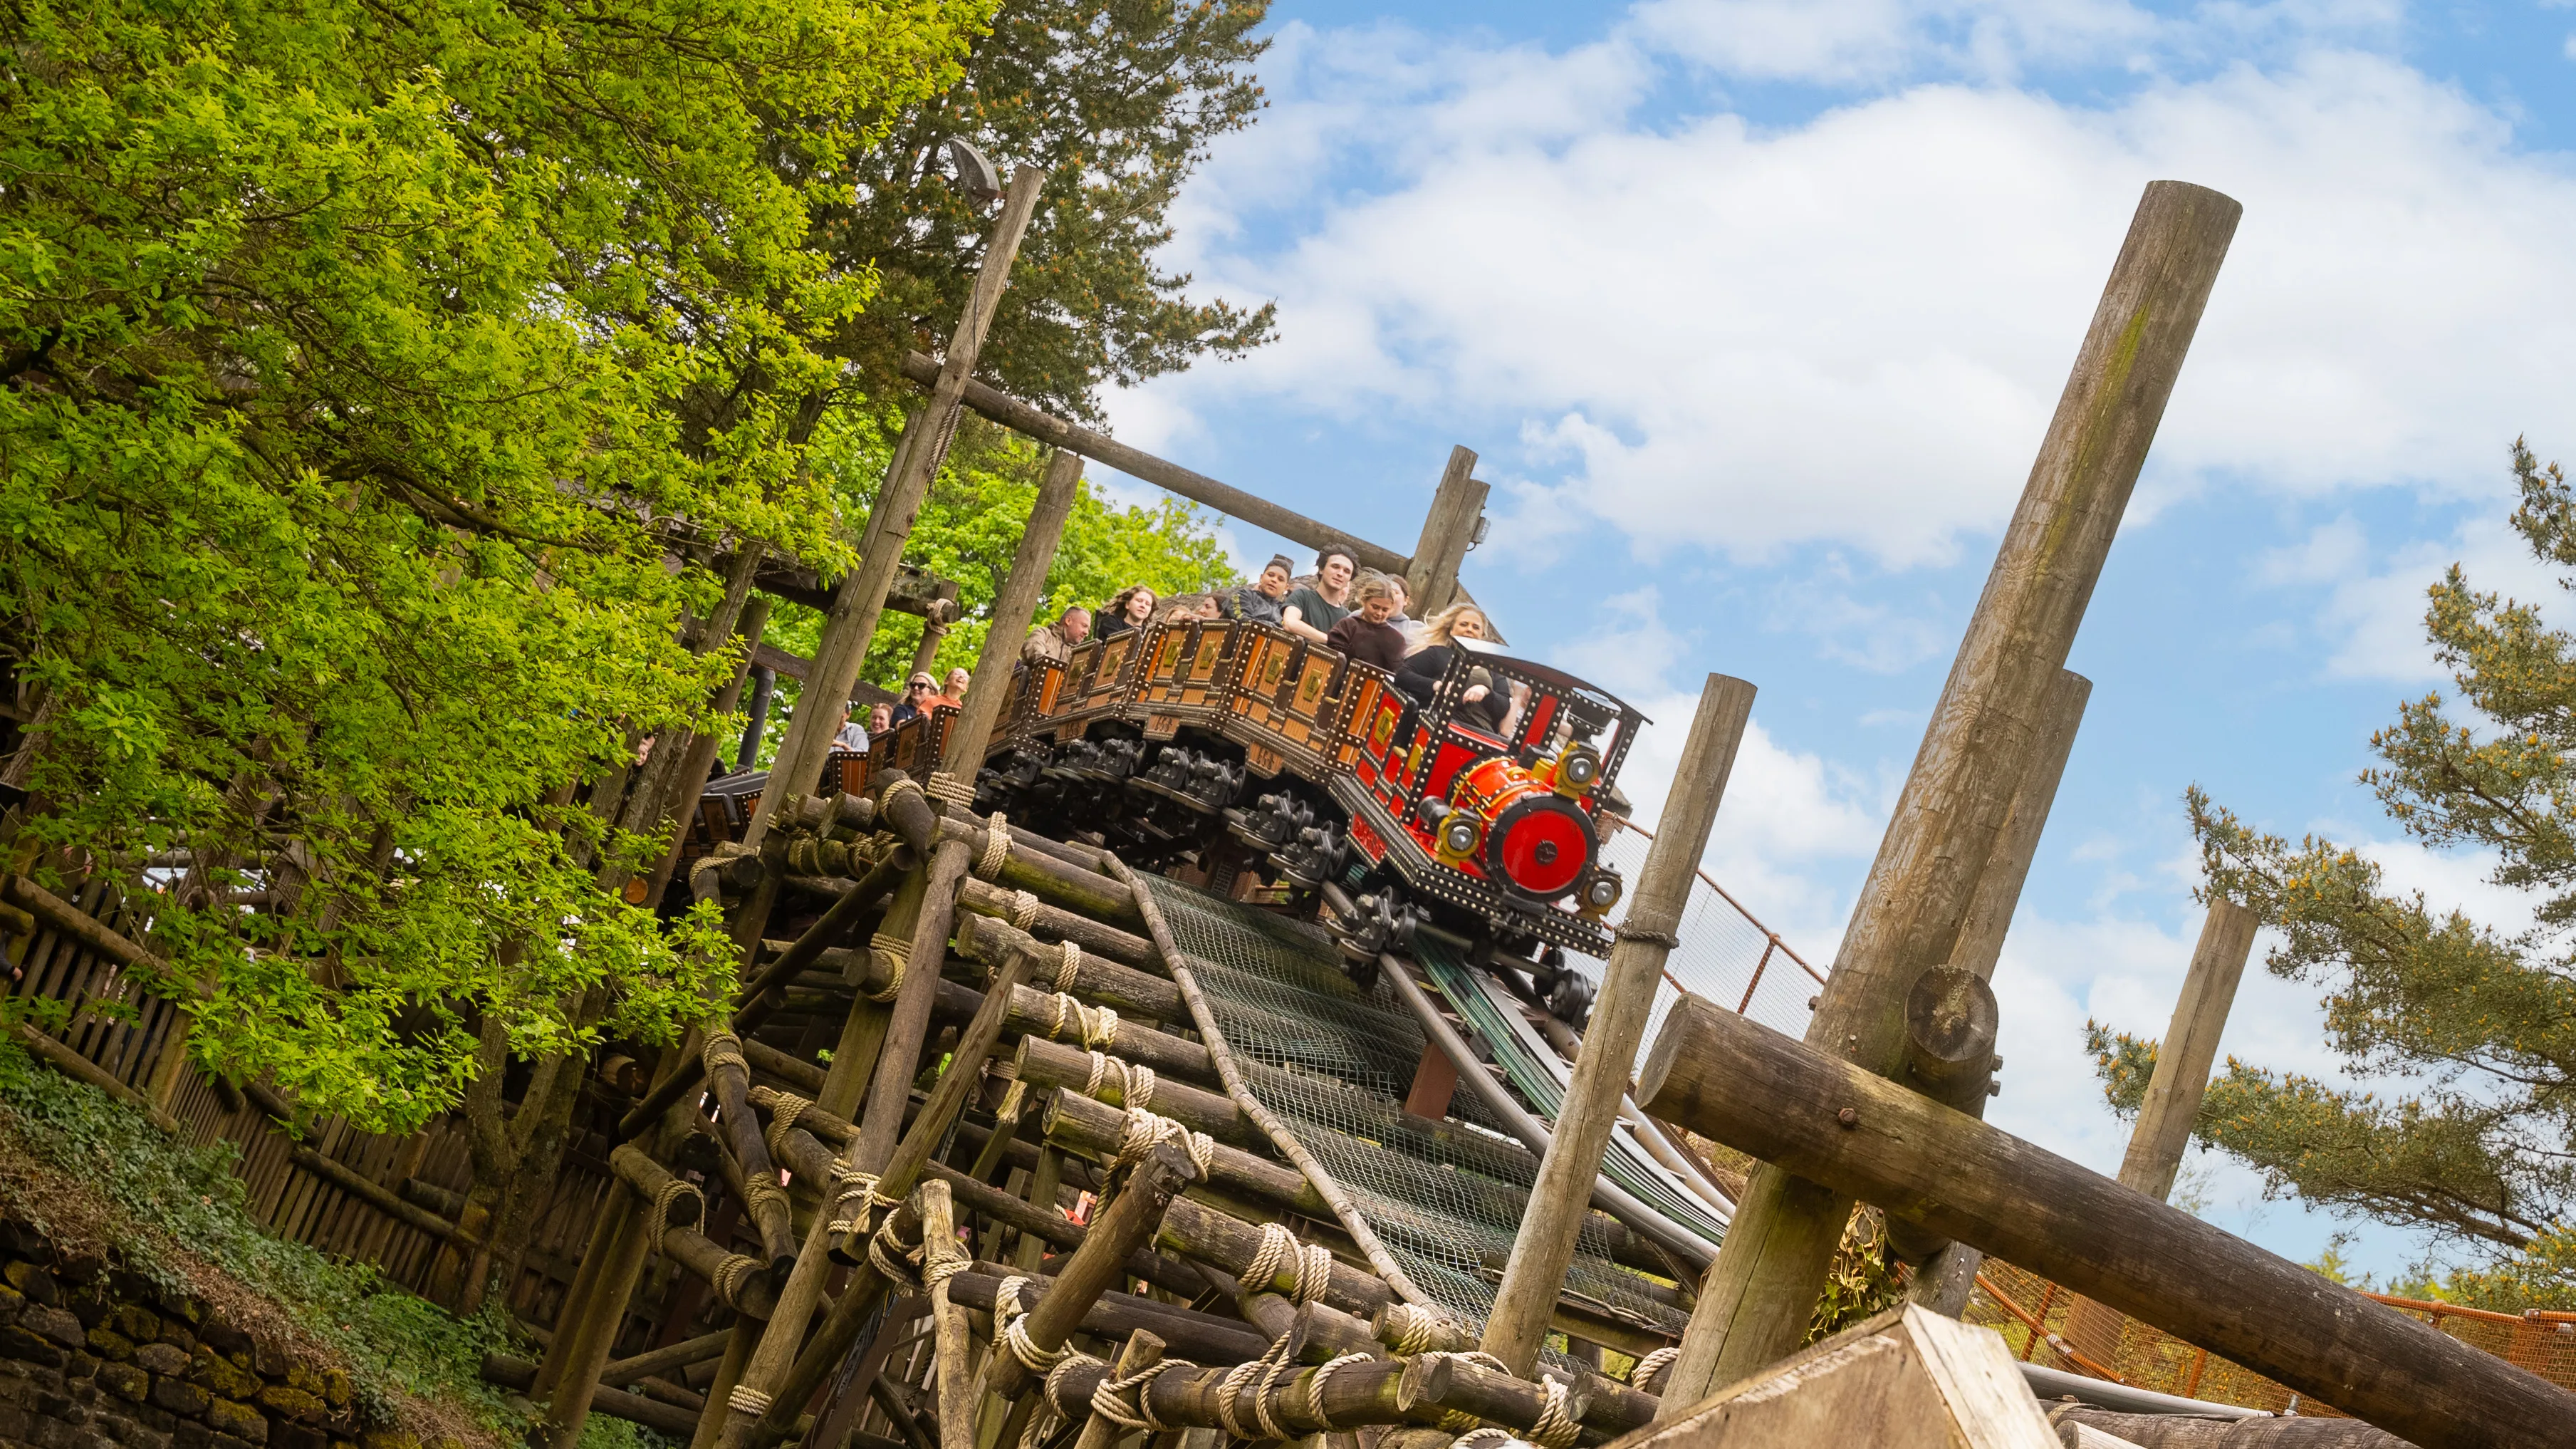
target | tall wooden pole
[
  {"x": 2175, "y": 1091},
  {"x": 1431, "y": 579},
  {"x": 1013, "y": 612},
  {"x": 1763, "y": 1288},
  {"x": 860, "y": 600},
  {"x": 1562, "y": 1194},
  {"x": 2190, "y": 1047},
  {"x": 1946, "y": 1279}
]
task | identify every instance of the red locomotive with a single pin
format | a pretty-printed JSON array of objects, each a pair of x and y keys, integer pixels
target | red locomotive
[{"x": 1243, "y": 749}]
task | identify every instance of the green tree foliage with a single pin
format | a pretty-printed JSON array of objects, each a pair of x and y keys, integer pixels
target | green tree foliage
[
  {"x": 352, "y": 362},
  {"x": 1118, "y": 101},
  {"x": 2484, "y": 1154},
  {"x": 970, "y": 526}
]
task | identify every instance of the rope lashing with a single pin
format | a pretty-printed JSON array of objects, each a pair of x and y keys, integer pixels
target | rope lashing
[
  {"x": 1024, "y": 909},
  {"x": 1651, "y": 1365},
  {"x": 1315, "y": 1390},
  {"x": 997, "y": 847},
  {"x": 732, "y": 1274},
  {"x": 1066, "y": 969},
  {"x": 1015, "y": 1332},
  {"x": 1652, "y": 933},
  {"x": 897, "y": 951},
  {"x": 747, "y": 1400},
  {"x": 1135, "y": 1081},
  {"x": 1049, "y": 1417},
  {"x": 893, "y": 788},
  {"x": 723, "y": 1049},
  {"x": 945, "y": 786},
  {"x": 1415, "y": 1329},
  {"x": 783, "y": 1112},
  {"x": 894, "y": 1261},
  {"x": 1014, "y": 1091},
  {"x": 1096, "y": 1026},
  {"x": 941, "y": 1261},
  {"x": 1145, "y": 1130},
  {"x": 1229, "y": 1393},
  {"x": 1310, "y": 1267},
  {"x": 854, "y": 1198},
  {"x": 665, "y": 1195},
  {"x": 1490, "y": 1436},
  {"x": 1128, "y": 1402},
  {"x": 1556, "y": 1427}
]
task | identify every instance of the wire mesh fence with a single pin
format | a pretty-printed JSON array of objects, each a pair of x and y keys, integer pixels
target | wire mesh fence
[
  {"x": 1726, "y": 954},
  {"x": 1335, "y": 1063}
]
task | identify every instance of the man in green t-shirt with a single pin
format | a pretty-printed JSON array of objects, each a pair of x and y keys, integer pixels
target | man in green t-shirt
[{"x": 1311, "y": 612}]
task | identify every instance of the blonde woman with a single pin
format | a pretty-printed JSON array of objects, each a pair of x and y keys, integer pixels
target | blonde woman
[{"x": 1424, "y": 667}]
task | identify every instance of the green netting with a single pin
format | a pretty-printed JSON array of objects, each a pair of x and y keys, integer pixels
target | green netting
[
  {"x": 1540, "y": 1081},
  {"x": 1334, "y": 1063}
]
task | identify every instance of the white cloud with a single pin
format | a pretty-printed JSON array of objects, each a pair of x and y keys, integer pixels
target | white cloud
[
  {"x": 2373, "y": 599},
  {"x": 1852, "y": 331},
  {"x": 1851, "y": 41}
]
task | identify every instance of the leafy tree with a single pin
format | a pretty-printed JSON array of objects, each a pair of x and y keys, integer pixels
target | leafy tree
[
  {"x": 2483, "y": 1155},
  {"x": 1118, "y": 101},
  {"x": 354, "y": 363}
]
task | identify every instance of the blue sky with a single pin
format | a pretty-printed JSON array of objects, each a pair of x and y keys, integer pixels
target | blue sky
[{"x": 1755, "y": 311}]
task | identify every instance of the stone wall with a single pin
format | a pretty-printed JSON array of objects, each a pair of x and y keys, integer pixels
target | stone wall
[{"x": 92, "y": 1357}]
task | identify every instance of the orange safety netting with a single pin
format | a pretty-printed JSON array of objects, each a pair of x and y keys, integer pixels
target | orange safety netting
[{"x": 2048, "y": 1325}]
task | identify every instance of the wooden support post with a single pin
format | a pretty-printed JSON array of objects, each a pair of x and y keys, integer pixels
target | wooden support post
[
  {"x": 1833, "y": 1123},
  {"x": 2190, "y": 1046},
  {"x": 907, "y": 1028},
  {"x": 1561, "y": 1197},
  {"x": 954, "y": 1340},
  {"x": 783, "y": 1377},
  {"x": 1023, "y": 589},
  {"x": 1431, "y": 576},
  {"x": 582, "y": 1347},
  {"x": 1054, "y": 923},
  {"x": 1143, "y": 1351},
  {"x": 2174, "y": 1093},
  {"x": 852, "y": 620},
  {"x": 1126, "y": 1224},
  {"x": 1763, "y": 1287},
  {"x": 934, "y": 628},
  {"x": 1944, "y": 1281}
]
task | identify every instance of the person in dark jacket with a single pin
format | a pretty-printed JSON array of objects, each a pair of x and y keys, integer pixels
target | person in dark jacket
[
  {"x": 1133, "y": 606},
  {"x": 1366, "y": 635},
  {"x": 1478, "y": 705},
  {"x": 1261, "y": 600}
]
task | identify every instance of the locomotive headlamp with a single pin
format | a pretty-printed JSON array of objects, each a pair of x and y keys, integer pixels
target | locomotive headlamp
[
  {"x": 1602, "y": 892},
  {"x": 1459, "y": 835},
  {"x": 1578, "y": 768}
]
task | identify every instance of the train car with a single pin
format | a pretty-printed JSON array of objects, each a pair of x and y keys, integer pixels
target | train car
[{"x": 1245, "y": 750}]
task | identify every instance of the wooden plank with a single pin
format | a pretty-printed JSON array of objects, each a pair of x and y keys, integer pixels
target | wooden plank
[
  {"x": 1448, "y": 531},
  {"x": 1023, "y": 589},
  {"x": 1831, "y": 1122}
]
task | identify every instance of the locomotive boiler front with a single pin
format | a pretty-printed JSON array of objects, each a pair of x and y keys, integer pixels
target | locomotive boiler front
[{"x": 1530, "y": 839}]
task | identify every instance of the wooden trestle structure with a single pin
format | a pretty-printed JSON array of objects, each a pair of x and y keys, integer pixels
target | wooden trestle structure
[{"x": 1034, "y": 1196}]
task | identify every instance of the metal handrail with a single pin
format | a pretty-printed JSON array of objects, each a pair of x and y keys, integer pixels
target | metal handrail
[{"x": 1772, "y": 936}]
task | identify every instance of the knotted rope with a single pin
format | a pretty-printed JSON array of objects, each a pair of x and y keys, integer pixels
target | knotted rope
[
  {"x": 1556, "y": 1427},
  {"x": 893, "y": 788},
  {"x": 783, "y": 1112},
  {"x": 1024, "y": 909},
  {"x": 1491, "y": 1436},
  {"x": 897, "y": 951},
  {"x": 1412, "y": 1328},
  {"x": 1315, "y": 1390},
  {"x": 1651, "y": 933},
  {"x": 1097, "y": 1025},
  {"x": 1265, "y": 1370},
  {"x": 945, "y": 786},
  {"x": 1651, "y": 1365},
  {"x": 665, "y": 1195},
  {"x": 1067, "y": 968},
  {"x": 997, "y": 847},
  {"x": 1145, "y": 1130},
  {"x": 747, "y": 1400},
  {"x": 855, "y": 1200},
  {"x": 1128, "y": 1402},
  {"x": 1015, "y": 1329},
  {"x": 1310, "y": 1267},
  {"x": 893, "y": 1260},
  {"x": 731, "y": 1275},
  {"x": 1135, "y": 1081},
  {"x": 723, "y": 1049},
  {"x": 1014, "y": 1093}
]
